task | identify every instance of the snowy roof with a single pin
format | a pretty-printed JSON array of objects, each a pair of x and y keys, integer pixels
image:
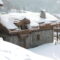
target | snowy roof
[
  {"x": 49, "y": 18},
  {"x": 6, "y": 22},
  {"x": 34, "y": 18},
  {"x": 9, "y": 51}
]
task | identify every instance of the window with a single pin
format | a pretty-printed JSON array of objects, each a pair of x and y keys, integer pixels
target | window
[{"x": 38, "y": 37}]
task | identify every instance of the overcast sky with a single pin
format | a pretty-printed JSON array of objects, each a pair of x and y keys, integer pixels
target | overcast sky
[{"x": 52, "y": 6}]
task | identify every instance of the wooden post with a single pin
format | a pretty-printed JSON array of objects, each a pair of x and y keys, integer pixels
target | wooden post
[{"x": 57, "y": 31}]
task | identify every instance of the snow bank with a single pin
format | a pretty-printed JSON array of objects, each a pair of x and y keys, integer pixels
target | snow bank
[
  {"x": 9, "y": 51},
  {"x": 33, "y": 17},
  {"x": 49, "y": 50}
]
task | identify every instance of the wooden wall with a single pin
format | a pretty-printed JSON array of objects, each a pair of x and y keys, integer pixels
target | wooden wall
[{"x": 29, "y": 40}]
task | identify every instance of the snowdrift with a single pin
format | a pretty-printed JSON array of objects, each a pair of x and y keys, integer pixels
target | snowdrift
[{"x": 9, "y": 51}]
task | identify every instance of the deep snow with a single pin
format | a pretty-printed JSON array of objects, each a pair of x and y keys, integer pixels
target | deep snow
[
  {"x": 50, "y": 50},
  {"x": 9, "y": 51}
]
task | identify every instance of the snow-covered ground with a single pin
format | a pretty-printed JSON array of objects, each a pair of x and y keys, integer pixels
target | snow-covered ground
[
  {"x": 9, "y": 51},
  {"x": 49, "y": 50}
]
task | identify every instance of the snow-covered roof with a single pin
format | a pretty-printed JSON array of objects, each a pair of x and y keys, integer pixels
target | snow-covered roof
[
  {"x": 16, "y": 16},
  {"x": 6, "y": 22},
  {"x": 50, "y": 16},
  {"x": 9, "y": 51},
  {"x": 34, "y": 18}
]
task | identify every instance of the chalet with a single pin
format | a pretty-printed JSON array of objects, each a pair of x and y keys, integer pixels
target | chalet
[{"x": 22, "y": 33}]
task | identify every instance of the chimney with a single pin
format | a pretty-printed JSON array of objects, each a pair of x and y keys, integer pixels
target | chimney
[{"x": 43, "y": 15}]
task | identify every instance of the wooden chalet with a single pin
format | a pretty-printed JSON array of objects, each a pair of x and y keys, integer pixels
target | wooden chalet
[{"x": 26, "y": 37}]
